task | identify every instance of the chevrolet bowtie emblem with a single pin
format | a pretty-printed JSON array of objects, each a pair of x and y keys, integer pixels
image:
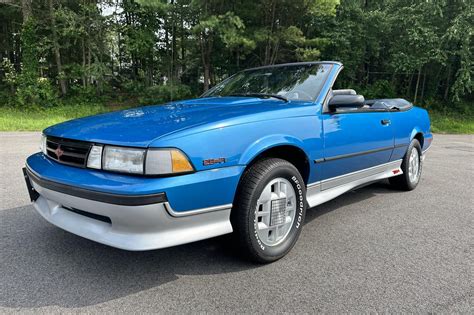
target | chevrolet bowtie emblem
[{"x": 58, "y": 152}]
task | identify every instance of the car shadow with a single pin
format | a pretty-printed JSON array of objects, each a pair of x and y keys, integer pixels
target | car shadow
[{"x": 42, "y": 265}]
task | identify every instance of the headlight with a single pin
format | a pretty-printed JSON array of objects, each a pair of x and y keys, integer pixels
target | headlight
[
  {"x": 139, "y": 161},
  {"x": 43, "y": 147},
  {"x": 126, "y": 160}
]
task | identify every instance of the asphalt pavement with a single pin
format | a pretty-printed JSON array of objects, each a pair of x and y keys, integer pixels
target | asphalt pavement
[{"x": 370, "y": 250}]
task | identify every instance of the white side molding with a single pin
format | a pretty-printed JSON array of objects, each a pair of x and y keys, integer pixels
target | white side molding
[{"x": 322, "y": 191}]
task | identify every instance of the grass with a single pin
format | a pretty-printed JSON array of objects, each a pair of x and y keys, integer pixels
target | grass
[
  {"x": 452, "y": 123},
  {"x": 12, "y": 119}
]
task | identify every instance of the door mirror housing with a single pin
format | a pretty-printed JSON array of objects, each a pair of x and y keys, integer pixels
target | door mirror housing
[
  {"x": 344, "y": 92},
  {"x": 346, "y": 101}
]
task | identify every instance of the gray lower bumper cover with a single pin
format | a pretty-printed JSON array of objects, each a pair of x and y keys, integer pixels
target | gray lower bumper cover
[{"x": 142, "y": 227}]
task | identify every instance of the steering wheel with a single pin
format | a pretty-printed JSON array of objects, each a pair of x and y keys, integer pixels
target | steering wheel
[{"x": 298, "y": 93}]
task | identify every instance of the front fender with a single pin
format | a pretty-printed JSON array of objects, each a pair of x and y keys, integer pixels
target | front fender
[
  {"x": 240, "y": 144},
  {"x": 268, "y": 142}
]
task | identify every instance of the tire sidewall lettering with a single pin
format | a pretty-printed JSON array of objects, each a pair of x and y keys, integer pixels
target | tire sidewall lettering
[
  {"x": 255, "y": 223},
  {"x": 297, "y": 224},
  {"x": 299, "y": 190}
]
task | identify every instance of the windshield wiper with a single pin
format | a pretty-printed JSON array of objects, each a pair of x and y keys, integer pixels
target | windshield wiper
[{"x": 261, "y": 95}]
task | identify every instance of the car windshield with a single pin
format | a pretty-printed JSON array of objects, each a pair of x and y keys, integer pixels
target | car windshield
[{"x": 301, "y": 82}]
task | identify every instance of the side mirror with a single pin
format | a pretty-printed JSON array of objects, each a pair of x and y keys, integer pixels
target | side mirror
[
  {"x": 344, "y": 92},
  {"x": 346, "y": 101}
]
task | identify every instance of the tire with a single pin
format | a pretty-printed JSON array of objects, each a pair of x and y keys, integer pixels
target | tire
[
  {"x": 269, "y": 210},
  {"x": 407, "y": 181}
]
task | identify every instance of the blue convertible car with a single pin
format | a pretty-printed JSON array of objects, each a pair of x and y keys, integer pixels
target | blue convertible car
[{"x": 249, "y": 157}]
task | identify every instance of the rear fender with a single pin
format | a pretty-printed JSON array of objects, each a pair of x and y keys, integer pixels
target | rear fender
[{"x": 416, "y": 131}]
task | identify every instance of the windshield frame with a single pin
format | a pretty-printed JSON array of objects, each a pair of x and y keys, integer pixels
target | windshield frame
[{"x": 310, "y": 63}]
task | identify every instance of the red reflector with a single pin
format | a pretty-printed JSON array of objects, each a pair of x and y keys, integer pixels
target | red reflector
[{"x": 396, "y": 171}]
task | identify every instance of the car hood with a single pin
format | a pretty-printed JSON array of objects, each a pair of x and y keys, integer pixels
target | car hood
[{"x": 140, "y": 126}]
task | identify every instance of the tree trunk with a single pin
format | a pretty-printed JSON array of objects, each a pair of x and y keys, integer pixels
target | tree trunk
[
  {"x": 423, "y": 87},
  {"x": 206, "y": 64},
  {"x": 409, "y": 85},
  {"x": 448, "y": 82},
  {"x": 57, "y": 53},
  {"x": 167, "y": 47},
  {"x": 182, "y": 43},
  {"x": 417, "y": 84},
  {"x": 268, "y": 47},
  {"x": 89, "y": 61},
  {"x": 212, "y": 75},
  {"x": 275, "y": 53},
  {"x": 26, "y": 10},
  {"x": 174, "y": 53},
  {"x": 84, "y": 78},
  {"x": 207, "y": 76}
]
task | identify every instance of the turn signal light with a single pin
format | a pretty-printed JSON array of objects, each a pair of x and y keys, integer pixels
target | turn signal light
[{"x": 180, "y": 163}]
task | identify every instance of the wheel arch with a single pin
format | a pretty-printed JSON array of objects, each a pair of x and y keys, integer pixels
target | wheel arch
[
  {"x": 283, "y": 147},
  {"x": 418, "y": 135}
]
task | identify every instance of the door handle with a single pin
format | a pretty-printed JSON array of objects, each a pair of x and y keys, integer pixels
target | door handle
[{"x": 385, "y": 122}]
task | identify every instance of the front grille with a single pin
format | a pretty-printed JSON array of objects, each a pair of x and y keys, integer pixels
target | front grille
[{"x": 70, "y": 152}]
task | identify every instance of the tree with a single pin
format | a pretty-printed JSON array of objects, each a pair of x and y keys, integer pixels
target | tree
[
  {"x": 57, "y": 52},
  {"x": 419, "y": 49}
]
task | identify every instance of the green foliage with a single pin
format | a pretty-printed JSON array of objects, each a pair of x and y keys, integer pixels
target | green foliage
[
  {"x": 29, "y": 47},
  {"x": 98, "y": 51},
  {"x": 160, "y": 94},
  {"x": 35, "y": 92},
  {"x": 132, "y": 87},
  {"x": 232, "y": 33},
  {"x": 420, "y": 41},
  {"x": 461, "y": 32},
  {"x": 153, "y": 4},
  {"x": 30, "y": 91},
  {"x": 322, "y": 7},
  {"x": 83, "y": 94},
  {"x": 380, "y": 89}
]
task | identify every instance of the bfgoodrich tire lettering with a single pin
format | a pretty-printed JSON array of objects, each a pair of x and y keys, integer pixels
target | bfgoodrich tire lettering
[{"x": 245, "y": 214}]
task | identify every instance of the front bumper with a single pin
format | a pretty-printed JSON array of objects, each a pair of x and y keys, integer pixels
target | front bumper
[
  {"x": 135, "y": 227},
  {"x": 185, "y": 193}
]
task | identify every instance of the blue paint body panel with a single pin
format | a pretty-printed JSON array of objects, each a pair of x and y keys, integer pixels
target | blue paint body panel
[
  {"x": 351, "y": 133},
  {"x": 237, "y": 129}
]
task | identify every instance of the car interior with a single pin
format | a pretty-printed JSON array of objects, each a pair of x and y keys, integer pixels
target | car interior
[{"x": 347, "y": 100}]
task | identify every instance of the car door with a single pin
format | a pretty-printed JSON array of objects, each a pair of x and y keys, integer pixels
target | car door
[{"x": 354, "y": 142}]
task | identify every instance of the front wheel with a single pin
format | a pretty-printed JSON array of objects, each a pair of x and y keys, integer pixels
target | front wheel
[
  {"x": 269, "y": 209},
  {"x": 411, "y": 167}
]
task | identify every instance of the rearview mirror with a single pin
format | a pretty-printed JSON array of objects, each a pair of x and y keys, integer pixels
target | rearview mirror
[{"x": 338, "y": 101}]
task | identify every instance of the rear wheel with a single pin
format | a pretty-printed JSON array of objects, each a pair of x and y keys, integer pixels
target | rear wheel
[
  {"x": 411, "y": 167},
  {"x": 269, "y": 209}
]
